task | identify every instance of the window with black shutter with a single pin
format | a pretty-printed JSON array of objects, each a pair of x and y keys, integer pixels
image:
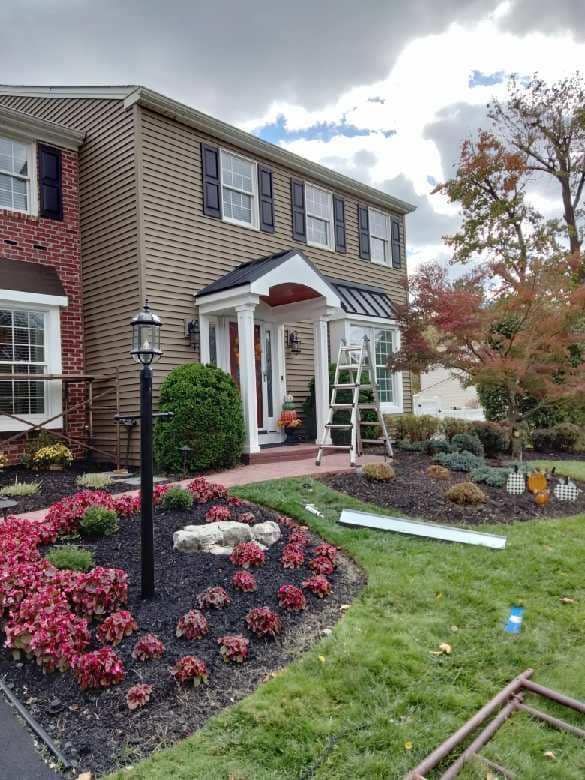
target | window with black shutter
[
  {"x": 396, "y": 248},
  {"x": 211, "y": 180},
  {"x": 299, "y": 224},
  {"x": 339, "y": 219},
  {"x": 50, "y": 187},
  {"x": 266, "y": 196},
  {"x": 364, "y": 232}
]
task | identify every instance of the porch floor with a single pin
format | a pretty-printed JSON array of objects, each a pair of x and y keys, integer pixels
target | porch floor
[{"x": 288, "y": 464}]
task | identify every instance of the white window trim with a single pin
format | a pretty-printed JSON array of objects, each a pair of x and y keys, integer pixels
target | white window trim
[
  {"x": 331, "y": 245},
  {"x": 54, "y": 388},
  {"x": 386, "y": 407},
  {"x": 255, "y": 224},
  {"x": 387, "y": 263},
  {"x": 33, "y": 190}
]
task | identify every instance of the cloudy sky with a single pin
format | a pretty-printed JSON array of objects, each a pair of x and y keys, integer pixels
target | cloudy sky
[{"x": 382, "y": 90}]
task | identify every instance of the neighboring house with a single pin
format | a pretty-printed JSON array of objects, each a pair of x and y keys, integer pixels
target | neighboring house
[
  {"x": 40, "y": 278},
  {"x": 255, "y": 259},
  {"x": 443, "y": 394}
]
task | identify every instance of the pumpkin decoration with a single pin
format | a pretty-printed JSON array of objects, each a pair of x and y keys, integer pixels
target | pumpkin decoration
[
  {"x": 542, "y": 498},
  {"x": 566, "y": 491},
  {"x": 516, "y": 483},
  {"x": 537, "y": 482}
]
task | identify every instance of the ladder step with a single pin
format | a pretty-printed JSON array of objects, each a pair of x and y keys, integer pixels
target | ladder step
[
  {"x": 352, "y": 386},
  {"x": 338, "y": 425},
  {"x": 342, "y": 406},
  {"x": 369, "y": 422},
  {"x": 367, "y": 406},
  {"x": 373, "y": 441},
  {"x": 335, "y": 447},
  {"x": 350, "y": 348}
]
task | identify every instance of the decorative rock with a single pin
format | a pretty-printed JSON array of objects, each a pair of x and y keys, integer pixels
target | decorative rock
[
  {"x": 234, "y": 533},
  {"x": 197, "y": 538},
  {"x": 266, "y": 533}
]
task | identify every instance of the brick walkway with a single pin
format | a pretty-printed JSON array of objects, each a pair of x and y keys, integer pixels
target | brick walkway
[{"x": 261, "y": 472}]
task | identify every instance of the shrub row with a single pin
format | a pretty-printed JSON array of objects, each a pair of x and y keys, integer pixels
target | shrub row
[{"x": 415, "y": 433}]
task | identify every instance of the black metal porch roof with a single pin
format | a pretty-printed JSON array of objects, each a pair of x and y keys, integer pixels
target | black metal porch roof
[{"x": 362, "y": 299}]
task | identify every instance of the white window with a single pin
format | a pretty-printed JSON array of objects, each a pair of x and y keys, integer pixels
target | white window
[
  {"x": 384, "y": 341},
  {"x": 380, "y": 227},
  {"x": 30, "y": 344},
  {"x": 16, "y": 175},
  {"x": 319, "y": 213},
  {"x": 239, "y": 190}
]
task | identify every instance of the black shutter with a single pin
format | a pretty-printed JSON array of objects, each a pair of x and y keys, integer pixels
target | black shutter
[
  {"x": 266, "y": 195},
  {"x": 211, "y": 180},
  {"x": 297, "y": 196},
  {"x": 50, "y": 188},
  {"x": 395, "y": 240},
  {"x": 364, "y": 231},
  {"x": 339, "y": 221}
]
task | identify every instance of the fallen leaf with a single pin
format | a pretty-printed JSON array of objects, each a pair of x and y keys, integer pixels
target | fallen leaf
[
  {"x": 454, "y": 628},
  {"x": 567, "y": 600},
  {"x": 446, "y": 648},
  {"x": 343, "y": 607},
  {"x": 408, "y": 745},
  {"x": 322, "y": 659},
  {"x": 550, "y": 754},
  {"x": 85, "y": 776},
  {"x": 438, "y": 595}
]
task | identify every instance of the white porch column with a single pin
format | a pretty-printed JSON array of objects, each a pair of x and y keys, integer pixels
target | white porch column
[
  {"x": 247, "y": 365},
  {"x": 321, "y": 355},
  {"x": 203, "y": 339}
]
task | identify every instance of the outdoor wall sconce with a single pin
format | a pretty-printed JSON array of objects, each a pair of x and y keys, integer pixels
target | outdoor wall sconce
[
  {"x": 293, "y": 341},
  {"x": 193, "y": 333}
]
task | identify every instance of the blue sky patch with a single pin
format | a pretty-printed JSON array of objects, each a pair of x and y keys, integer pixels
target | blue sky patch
[
  {"x": 323, "y": 131},
  {"x": 479, "y": 79}
]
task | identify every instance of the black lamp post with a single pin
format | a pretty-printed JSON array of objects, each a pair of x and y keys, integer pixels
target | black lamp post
[{"x": 145, "y": 350}]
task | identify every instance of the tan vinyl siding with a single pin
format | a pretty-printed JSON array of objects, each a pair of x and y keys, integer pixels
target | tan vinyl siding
[
  {"x": 185, "y": 250},
  {"x": 108, "y": 240}
]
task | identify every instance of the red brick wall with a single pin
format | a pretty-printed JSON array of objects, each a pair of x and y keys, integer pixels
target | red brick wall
[{"x": 54, "y": 243}]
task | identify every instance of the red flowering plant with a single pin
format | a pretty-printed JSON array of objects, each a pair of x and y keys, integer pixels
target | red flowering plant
[
  {"x": 147, "y": 648},
  {"x": 126, "y": 506},
  {"x": 234, "y": 648},
  {"x": 213, "y": 598},
  {"x": 192, "y": 625},
  {"x": 116, "y": 627},
  {"x": 247, "y": 554},
  {"x": 247, "y": 517},
  {"x": 291, "y": 598},
  {"x": 322, "y": 565},
  {"x": 319, "y": 585},
  {"x": 326, "y": 550},
  {"x": 158, "y": 492},
  {"x": 234, "y": 501},
  {"x": 138, "y": 695},
  {"x": 98, "y": 669},
  {"x": 218, "y": 514},
  {"x": 190, "y": 669},
  {"x": 300, "y": 537},
  {"x": 63, "y": 517},
  {"x": 100, "y": 592},
  {"x": 204, "y": 491},
  {"x": 244, "y": 581},
  {"x": 293, "y": 556},
  {"x": 262, "y": 621},
  {"x": 289, "y": 419}
]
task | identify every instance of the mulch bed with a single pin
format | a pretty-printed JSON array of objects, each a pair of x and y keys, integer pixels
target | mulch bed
[
  {"x": 96, "y": 729},
  {"x": 416, "y": 495},
  {"x": 54, "y": 484}
]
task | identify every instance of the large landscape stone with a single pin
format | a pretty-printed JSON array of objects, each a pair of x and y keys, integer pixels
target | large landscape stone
[
  {"x": 266, "y": 533},
  {"x": 194, "y": 538},
  {"x": 233, "y": 533}
]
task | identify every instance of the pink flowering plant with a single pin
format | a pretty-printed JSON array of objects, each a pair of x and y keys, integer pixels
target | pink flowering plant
[
  {"x": 116, "y": 627},
  {"x": 318, "y": 585},
  {"x": 192, "y": 625},
  {"x": 138, "y": 695},
  {"x": 234, "y": 648},
  {"x": 148, "y": 648},
  {"x": 190, "y": 669},
  {"x": 98, "y": 669},
  {"x": 293, "y": 556},
  {"x": 263, "y": 622},
  {"x": 218, "y": 514},
  {"x": 244, "y": 581},
  {"x": 247, "y": 554},
  {"x": 291, "y": 598},
  {"x": 322, "y": 565},
  {"x": 204, "y": 491},
  {"x": 213, "y": 598}
]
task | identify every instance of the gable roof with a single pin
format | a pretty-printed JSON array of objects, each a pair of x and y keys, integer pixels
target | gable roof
[
  {"x": 180, "y": 112},
  {"x": 12, "y": 120}
]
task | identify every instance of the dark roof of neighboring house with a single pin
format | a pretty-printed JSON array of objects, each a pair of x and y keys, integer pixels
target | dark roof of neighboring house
[
  {"x": 29, "y": 277},
  {"x": 362, "y": 299},
  {"x": 355, "y": 298}
]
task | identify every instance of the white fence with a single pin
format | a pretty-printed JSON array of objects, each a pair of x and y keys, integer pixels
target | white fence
[{"x": 434, "y": 408}]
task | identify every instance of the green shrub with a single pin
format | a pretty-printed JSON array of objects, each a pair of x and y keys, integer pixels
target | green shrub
[
  {"x": 437, "y": 472},
  {"x": 451, "y": 426},
  {"x": 20, "y": 489},
  {"x": 459, "y": 461},
  {"x": 466, "y": 494},
  {"x": 560, "y": 438},
  {"x": 467, "y": 442},
  {"x": 410, "y": 446},
  {"x": 490, "y": 476},
  {"x": 414, "y": 427},
  {"x": 98, "y": 521},
  {"x": 95, "y": 481},
  {"x": 70, "y": 557},
  {"x": 434, "y": 446},
  {"x": 495, "y": 437},
  {"x": 177, "y": 498},
  {"x": 207, "y": 418},
  {"x": 378, "y": 472}
]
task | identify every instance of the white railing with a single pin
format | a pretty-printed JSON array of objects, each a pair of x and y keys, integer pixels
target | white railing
[{"x": 434, "y": 408}]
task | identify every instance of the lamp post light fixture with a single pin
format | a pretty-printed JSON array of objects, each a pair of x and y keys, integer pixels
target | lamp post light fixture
[
  {"x": 145, "y": 350},
  {"x": 293, "y": 341},
  {"x": 185, "y": 450}
]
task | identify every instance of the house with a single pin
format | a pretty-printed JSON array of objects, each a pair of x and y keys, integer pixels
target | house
[
  {"x": 256, "y": 260},
  {"x": 40, "y": 279},
  {"x": 444, "y": 394}
]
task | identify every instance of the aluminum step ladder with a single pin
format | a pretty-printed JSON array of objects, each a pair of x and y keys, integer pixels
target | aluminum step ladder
[{"x": 355, "y": 360}]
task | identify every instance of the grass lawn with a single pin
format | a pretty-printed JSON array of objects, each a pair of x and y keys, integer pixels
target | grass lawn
[
  {"x": 567, "y": 468},
  {"x": 370, "y": 700}
]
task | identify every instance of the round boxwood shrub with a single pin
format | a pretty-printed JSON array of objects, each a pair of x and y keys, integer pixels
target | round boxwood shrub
[
  {"x": 207, "y": 417},
  {"x": 177, "y": 498},
  {"x": 98, "y": 521},
  {"x": 466, "y": 494},
  {"x": 69, "y": 556},
  {"x": 467, "y": 442}
]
